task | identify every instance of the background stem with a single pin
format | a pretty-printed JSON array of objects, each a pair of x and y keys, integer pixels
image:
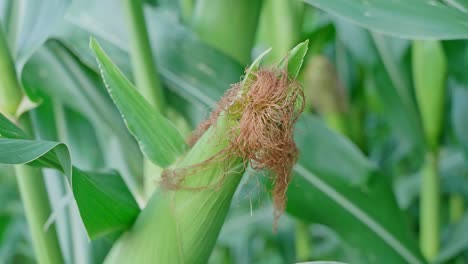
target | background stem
[
  {"x": 146, "y": 77},
  {"x": 36, "y": 205},
  {"x": 430, "y": 204},
  {"x": 144, "y": 69},
  {"x": 302, "y": 241}
]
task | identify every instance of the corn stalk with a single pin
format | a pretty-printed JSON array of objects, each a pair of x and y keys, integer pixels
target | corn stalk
[
  {"x": 30, "y": 180},
  {"x": 430, "y": 69}
]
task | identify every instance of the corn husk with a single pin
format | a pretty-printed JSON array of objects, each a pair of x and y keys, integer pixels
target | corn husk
[{"x": 182, "y": 226}]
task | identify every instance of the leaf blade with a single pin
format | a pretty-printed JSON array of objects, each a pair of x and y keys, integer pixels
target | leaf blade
[
  {"x": 99, "y": 196},
  {"x": 157, "y": 137},
  {"x": 411, "y": 20}
]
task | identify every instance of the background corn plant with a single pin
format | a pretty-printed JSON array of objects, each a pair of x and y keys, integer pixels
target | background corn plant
[{"x": 383, "y": 146}]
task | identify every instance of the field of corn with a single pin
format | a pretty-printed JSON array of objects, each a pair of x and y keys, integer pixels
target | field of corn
[{"x": 233, "y": 131}]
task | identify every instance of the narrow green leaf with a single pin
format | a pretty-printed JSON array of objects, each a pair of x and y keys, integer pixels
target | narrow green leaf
[
  {"x": 405, "y": 19},
  {"x": 293, "y": 61},
  {"x": 158, "y": 138}
]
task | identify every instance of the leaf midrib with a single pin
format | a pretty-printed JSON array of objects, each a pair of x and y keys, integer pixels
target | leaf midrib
[{"x": 362, "y": 216}]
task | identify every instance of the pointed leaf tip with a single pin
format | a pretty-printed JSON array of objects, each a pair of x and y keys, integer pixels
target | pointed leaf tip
[{"x": 294, "y": 59}]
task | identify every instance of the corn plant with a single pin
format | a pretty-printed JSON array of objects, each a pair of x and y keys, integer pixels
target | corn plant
[{"x": 200, "y": 131}]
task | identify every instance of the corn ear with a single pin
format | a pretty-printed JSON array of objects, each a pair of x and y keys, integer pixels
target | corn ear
[
  {"x": 186, "y": 222},
  {"x": 181, "y": 225}
]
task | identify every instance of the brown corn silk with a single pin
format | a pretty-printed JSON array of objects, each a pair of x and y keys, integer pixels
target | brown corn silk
[{"x": 264, "y": 109}]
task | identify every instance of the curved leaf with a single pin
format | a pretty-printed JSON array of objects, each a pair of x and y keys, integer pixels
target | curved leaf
[
  {"x": 9, "y": 130},
  {"x": 104, "y": 200},
  {"x": 41, "y": 153},
  {"x": 405, "y": 19}
]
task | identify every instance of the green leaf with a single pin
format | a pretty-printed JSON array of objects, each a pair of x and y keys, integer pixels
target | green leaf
[
  {"x": 158, "y": 138},
  {"x": 53, "y": 72},
  {"x": 456, "y": 243},
  {"x": 177, "y": 50},
  {"x": 104, "y": 200},
  {"x": 317, "y": 143},
  {"x": 293, "y": 61},
  {"x": 357, "y": 40},
  {"x": 45, "y": 153},
  {"x": 324, "y": 197},
  {"x": 461, "y": 5},
  {"x": 9, "y": 130},
  {"x": 106, "y": 204},
  {"x": 392, "y": 111},
  {"x": 412, "y": 20}
]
